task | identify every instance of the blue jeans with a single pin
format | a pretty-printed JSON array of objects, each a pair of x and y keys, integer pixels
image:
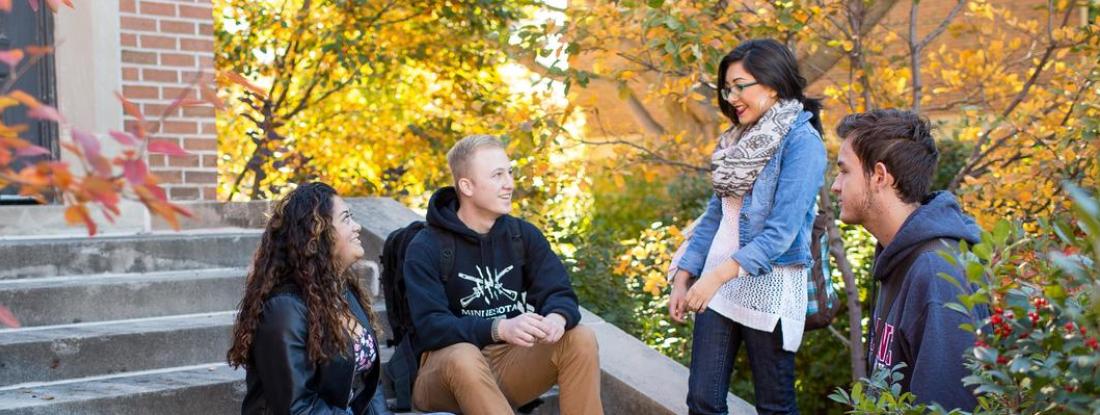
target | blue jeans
[{"x": 716, "y": 341}]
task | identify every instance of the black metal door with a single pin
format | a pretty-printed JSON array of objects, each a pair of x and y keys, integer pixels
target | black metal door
[{"x": 21, "y": 28}]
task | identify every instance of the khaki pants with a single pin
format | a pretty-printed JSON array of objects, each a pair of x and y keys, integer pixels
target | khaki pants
[{"x": 462, "y": 379}]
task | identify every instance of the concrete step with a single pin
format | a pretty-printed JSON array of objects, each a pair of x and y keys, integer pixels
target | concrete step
[
  {"x": 52, "y": 353},
  {"x": 130, "y": 366},
  {"x": 49, "y": 257},
  {"x": 199, "y": 389},
  {"x": 85, "y": 298}
]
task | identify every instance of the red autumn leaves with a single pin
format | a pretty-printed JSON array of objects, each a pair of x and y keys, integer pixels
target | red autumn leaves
[{"x": 104, "y": 181}]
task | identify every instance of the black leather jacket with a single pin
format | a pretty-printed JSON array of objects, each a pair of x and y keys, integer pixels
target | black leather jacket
[{"x": 281, "y": 379}]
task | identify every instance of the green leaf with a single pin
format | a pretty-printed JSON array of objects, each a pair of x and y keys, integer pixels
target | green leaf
[
  {"x": 985, "y": 354},
  {"x": 974, "y": 271},
  {"x": 956, "y": 307},
  {"x": 1083, "y": 200},
  {"x": 1055, "y": 292},
  {"x": 1016, "y": 299},
  {"x": 983, "y": 251},
  {"x": 954, "y": 281},
  {"x": 990, "y": 389},
  {"x": 672, "y": 23},
  {"x": 1001, "y": 232},
  {"x": 1019, "y": 365},
  {"x": 840, "y": 396}
]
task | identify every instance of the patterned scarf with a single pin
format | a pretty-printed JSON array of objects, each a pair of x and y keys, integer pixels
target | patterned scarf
[{"x": 743, "y": 152}]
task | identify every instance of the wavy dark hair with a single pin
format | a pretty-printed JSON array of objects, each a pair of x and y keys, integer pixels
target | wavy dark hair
[
  {"x": 297, "y": 250},
  {"x": 773, "y": 65}
]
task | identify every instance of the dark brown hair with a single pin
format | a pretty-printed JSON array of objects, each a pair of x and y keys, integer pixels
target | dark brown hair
[
  {"x": 297, "y": 249},
  {"x": 900, "y": 140},
  {"x": 773, "y": 65}
]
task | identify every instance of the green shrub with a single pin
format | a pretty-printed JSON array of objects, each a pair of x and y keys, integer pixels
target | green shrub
[{"x": 1037, "y": 353}]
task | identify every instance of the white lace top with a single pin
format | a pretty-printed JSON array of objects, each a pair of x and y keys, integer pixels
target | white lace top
[{"x": 757, "y": 301}]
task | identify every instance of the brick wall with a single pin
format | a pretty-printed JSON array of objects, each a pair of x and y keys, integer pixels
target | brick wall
[{"x": 165, "y": 45}]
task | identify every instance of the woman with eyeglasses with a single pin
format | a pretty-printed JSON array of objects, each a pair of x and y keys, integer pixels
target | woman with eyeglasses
[{"x": 744, "y": 268}]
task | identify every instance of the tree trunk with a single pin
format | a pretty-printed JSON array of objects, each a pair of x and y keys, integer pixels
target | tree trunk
[{"x": 855, "y": 310}]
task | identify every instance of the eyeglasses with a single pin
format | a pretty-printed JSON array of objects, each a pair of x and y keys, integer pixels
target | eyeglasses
[{"x": 735, "y": 91}]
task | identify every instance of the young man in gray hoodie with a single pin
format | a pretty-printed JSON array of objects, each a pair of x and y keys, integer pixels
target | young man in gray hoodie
[{"x": 885, "y": 169}]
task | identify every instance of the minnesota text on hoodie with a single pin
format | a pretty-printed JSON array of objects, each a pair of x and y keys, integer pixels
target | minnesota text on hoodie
[
  {"x": 918, "y": 329},
  {"x": 487, "y": 282}
]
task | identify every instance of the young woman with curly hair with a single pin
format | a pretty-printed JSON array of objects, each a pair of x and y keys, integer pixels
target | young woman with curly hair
[{"x": 306, "y": 332}]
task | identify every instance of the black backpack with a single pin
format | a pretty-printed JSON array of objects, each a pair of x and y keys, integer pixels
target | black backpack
[
  {"x": 400, "y": 372},
  {"x": 820, "y": 283}
]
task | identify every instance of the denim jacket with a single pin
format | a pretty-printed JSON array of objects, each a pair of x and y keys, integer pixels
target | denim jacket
[{"x": 777, "y": 214}]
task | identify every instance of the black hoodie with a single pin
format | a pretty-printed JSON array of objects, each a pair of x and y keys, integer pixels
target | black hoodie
[
  {"x": 918, "y": 330},
  {"x": 486, "y": 283}
]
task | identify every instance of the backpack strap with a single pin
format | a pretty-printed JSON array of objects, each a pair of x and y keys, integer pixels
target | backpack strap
[
  {"x": 446, "y": 250},
  {"x": 516, "y": 238},
  {"x": 884, "y": 304}
]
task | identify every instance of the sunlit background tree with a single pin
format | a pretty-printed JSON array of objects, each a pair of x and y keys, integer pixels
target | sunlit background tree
[{"x": 609, "y": 110}]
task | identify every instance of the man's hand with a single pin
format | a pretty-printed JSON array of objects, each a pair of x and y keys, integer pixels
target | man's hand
[
  {"x": 556, "y": 323},
  {"x": 524, "y": 329},
  {"x": 677, "y": 300}
]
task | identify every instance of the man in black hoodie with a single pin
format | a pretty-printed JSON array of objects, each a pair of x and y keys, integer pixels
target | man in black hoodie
[
  {"x": 501, "y": 329},
  {"x": 886, "y": 163}
]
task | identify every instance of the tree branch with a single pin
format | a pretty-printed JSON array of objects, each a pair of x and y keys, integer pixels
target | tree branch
[
  {"x": 642, "y": 116},
  {"x": 292, "y": 48},
  {"x": 916, "y": 48},
  {"x": 977, "y": 154},
  {"x": 857, "y": 15},
  {"x": 652, "y": 155},
  {"x": 943, "y": 25},
  {"x": 815, "y": 66},
  {"x": 914, "y": 56}
]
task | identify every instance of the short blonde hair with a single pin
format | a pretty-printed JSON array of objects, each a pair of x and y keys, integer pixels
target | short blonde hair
[{"x": 458, "y": 158}]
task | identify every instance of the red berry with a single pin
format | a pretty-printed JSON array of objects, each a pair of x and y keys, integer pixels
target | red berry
[
  {"x": 1083, "y": 331},
  {"x": 996, "y": 319},
  {"x": 1002, "y": 360},
  {"x": 1069, "y": 328},
  {"x": 998, "y": 310}
]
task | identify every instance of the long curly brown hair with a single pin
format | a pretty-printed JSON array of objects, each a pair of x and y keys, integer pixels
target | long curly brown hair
[{"x": 297, "y": 249}]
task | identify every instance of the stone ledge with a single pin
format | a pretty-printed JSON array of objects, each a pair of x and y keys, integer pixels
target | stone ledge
[{"x": 640, "y": 380}]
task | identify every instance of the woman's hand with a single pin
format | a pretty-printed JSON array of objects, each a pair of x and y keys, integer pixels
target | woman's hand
[
  {"x": 677, "y": 300},
  {"x": 700, "y": 294}
]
